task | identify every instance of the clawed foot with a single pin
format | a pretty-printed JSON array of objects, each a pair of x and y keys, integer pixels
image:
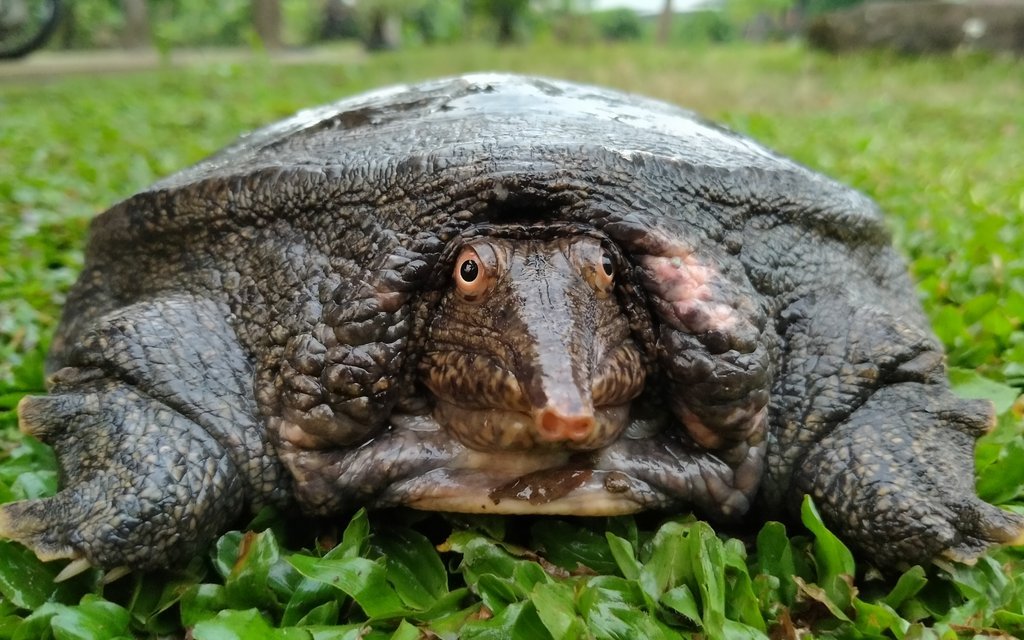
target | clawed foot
[
  {"x": 897, "y": 479},
  {"x": 142, "y": 484}
]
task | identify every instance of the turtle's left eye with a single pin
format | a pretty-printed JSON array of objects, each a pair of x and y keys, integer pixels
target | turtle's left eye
[
  {"x": 605, "y": 273},
  {"x": 607, "y": 265},
  {"x": 468, "y": 271},
  {"x": 472, "y": 278}
]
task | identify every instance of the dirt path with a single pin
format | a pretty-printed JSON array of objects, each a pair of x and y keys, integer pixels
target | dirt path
[{"x": 48, "y": 64}]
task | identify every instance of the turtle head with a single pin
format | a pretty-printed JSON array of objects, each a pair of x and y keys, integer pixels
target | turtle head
[{"x": 530, "y": 347}]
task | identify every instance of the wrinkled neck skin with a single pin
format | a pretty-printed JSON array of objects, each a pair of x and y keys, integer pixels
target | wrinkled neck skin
[{"x": 540, "y": 357}]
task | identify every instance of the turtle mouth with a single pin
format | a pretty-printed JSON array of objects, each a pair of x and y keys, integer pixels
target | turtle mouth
[{"x": 502, "y": 430}]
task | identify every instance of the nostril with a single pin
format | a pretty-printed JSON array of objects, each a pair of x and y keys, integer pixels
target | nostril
[{"x": 554, "y": 426}]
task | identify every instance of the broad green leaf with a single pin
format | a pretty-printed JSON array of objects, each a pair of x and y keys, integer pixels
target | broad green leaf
[
  {"x": 528, "y": 574},
  {"x": 820, "y": 595},
  {"x": 24, "y": 580},
  {"x": 413, "y": 568},
  {"x": 244, "y": 625},
  {"x": 357, "y": 631},
  {"x": 707, "y": 561},
  {"x": 681, "y": 600},
  {"x": 355, "y": 538},
  {"x": 512, "y": 578},
  {"x": 446, "y": 604},
  {"x": 985, "y": 578},
  {"x": 247, "y": 584},
  {"x": 497, "y": 592},
  {"x": 908, "y": 585},
  {"x": 1011, "y": 622},
  {"x": 155, "y": 594},
  {"x": 615, "y": 608},
  {"x": 37, "y": 625},
  {"x": 201, "y": 602},
  {"x": 741, "y": 603},
  {"x": 775, "y": 558},
  {"x": 878, "y": 619},
  {"x": 324, "y": 614},
  {"x": 518, "y": 620},
  {"x": 1002, "y": 479},
  {"x": 573, "y": 547},
  {"x": 93, "y": 619},
  {"x": 732, "y": 630},
  {"x": 481, "y": 556},
  {"x": 669, "y": 563},
  {"x": 556, "y": 609},
  {"x": 970, "y": 384},
  {"x": 406, "y": 631},
  {"x": 362, "y": 579},
  {"x": 451, "y": 624},
  {"x": 309, "y": 593},
  {"x": 625, "y": 559},
  {"x": 835, "y": 562}
]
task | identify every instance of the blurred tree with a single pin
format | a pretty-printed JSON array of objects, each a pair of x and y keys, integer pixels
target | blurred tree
[
  {"x": 665, "y": 22},
  {"x": 339, "y": 21},
  {"x": 709, "y": 26},
  {"x": 507, "y": 15},
  {"x": 619, "y": 24},
  {"x": 266, "y": 18},
  {"x": 440, "y": 21},
  {"x": 380, "y": 22},
  {"x": 137, "y": 33},
  {"x": 570, "y": 21},
  {"x": 744, "y": 13},
  {"x": 818, "y": 7}
]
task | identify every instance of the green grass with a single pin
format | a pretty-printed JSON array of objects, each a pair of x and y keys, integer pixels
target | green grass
[{"x": 939, "y": 142}]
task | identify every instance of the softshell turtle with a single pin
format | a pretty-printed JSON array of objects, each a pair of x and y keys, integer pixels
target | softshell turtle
[{"x": 498, "y": 294}]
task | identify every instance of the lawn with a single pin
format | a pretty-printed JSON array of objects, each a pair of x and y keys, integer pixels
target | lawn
[{"x": 938, "y": 142}]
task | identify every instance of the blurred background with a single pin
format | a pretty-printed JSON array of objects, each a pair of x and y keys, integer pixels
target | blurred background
[{"x": 163, "y": 26}]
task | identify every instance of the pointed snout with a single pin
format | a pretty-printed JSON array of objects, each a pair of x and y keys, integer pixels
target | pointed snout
[{"x": 555, "y": 425}]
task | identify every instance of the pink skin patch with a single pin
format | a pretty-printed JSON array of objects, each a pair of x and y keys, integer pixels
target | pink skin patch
[
  {"x": 685, "y": 285},
  {"x": 687, "y": 294}
]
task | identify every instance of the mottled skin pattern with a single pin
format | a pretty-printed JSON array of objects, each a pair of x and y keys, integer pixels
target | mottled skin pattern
[{"x": 276, "y": 325}]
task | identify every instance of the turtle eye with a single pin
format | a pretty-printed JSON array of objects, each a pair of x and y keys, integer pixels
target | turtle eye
[
  {"x": 607, "y": 265},
  {"x": 471, "y": 276},
  {"x": 605, "y": 273},
  {"x": 468, "y": 271}
]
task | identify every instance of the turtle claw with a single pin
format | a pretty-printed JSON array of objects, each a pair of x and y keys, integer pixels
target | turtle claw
[
  {"x": 73, "y": 568},
  {"x": 115, "y": 574},
  {"x": 26, "y": 522},
  {"x": 980, "y": 525}
]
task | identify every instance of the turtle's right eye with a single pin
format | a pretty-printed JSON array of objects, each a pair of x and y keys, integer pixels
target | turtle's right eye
[
  {"x": 471, "y": 275},
  {"x": 468, "y": 271}
]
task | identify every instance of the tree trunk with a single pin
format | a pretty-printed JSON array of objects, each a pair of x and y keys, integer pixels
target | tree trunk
[
  {"x": 665, "y": 23},
  {"x": 137, "y": 34},
  {"x": 266, "y": 16}
]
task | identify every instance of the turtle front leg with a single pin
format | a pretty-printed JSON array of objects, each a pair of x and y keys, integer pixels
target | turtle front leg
[
  {"x": 714, "y": 351},
  {"x": 897, "y": 478},
  {"x": 159, "y": 448},
  {"x": 868, "y": 427}
]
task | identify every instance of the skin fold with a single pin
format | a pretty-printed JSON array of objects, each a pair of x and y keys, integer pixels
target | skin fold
[{"x": 505, "y": 295}]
